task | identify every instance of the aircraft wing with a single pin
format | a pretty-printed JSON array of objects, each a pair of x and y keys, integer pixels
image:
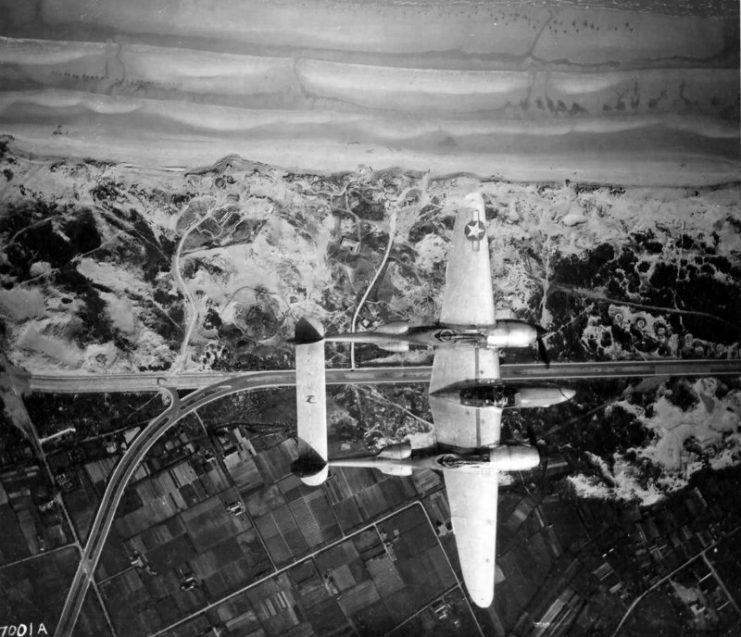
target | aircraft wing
[
  {"x": 472, "y": 497},
  {"x": 311, "y": 399},
  {"x": 458, "y": 425},
  {"x": 464, "y": 427},
  {"x": 457, "y": 364},
  {"x": 468, "y": 298}
]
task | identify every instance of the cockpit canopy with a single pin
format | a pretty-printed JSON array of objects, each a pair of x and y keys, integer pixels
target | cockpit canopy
[{"x": 488, "y": 396}]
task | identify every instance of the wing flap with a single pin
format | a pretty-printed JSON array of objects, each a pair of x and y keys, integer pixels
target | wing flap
[
  {"x": 468, "y": 298},
  {"x": 472, "y": 498}
]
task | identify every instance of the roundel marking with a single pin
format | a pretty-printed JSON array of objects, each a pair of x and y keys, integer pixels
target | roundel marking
[{"x": 475, "y": 230}]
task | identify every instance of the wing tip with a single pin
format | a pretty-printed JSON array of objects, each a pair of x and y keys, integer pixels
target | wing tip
[{"x": 482, "y": 598}]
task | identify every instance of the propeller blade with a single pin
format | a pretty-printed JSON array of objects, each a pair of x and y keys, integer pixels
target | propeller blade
[
  {"x": 542, "y": 448},
  {"x": 543, "y": 352}
]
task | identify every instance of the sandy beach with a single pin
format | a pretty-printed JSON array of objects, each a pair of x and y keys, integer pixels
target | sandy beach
[{"x": 522, "y": 93}]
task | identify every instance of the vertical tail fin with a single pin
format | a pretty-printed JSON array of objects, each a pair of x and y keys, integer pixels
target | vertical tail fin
[{"x": 311, "y": 403}]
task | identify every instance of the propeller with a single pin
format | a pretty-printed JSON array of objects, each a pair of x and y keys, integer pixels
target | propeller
[
  {"x": 540, "y": 445},
  {"x": 552, "y": 458},
  {"x": 542, "y": 351}
]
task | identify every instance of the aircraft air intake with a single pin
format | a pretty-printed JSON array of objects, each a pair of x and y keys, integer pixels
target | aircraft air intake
[
  {"x": 395, "y": 327},
  {"x": 394, "y": 346},
  {"x": 399, "y": 451},
  {"x": 400, "y": 470}
]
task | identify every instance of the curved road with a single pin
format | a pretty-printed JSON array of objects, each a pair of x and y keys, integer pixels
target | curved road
[
  {"x": 234, "y": 383},
  {"x": 150, "y": 434}
]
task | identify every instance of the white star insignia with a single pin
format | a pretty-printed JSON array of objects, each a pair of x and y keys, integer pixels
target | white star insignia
[{"x": 475, "y": 231}]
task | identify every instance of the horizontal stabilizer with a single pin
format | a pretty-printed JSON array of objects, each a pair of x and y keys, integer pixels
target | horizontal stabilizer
[{"x": 311, "y": 403}]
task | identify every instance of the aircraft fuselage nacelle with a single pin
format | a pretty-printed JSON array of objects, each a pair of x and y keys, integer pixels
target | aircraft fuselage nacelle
[
  {"x": 499, "y": 458},
  {"x": 397, "y": 461},
  {"x": 511, "y": 333},
  {"x": 394, "y": 336},
  {"x": 499, "y": 395}
]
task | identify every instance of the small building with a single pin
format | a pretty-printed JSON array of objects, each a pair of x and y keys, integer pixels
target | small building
[{"x": 350, "y": 244}]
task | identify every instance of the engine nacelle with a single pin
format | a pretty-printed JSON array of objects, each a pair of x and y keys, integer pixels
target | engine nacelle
[
  {"x": 401, "y": 470},
  {"x": 395, "y": 327},
  {"x": 511, "y": 333},
  {"x": 394, "y": 346},
  {"x": 399, "y": 451},
  {"x": 511, "y": 458}
]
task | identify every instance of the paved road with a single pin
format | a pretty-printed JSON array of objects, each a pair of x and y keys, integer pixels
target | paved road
[
  {"x": 153, "y": 381},
  {"x": 234, "y": 383}
]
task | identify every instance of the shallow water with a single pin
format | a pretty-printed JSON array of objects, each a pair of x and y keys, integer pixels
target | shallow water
[{"x": 639, "y": 92}]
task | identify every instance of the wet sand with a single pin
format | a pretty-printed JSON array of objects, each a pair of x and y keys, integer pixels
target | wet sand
[{"x": 527, "y": 93}]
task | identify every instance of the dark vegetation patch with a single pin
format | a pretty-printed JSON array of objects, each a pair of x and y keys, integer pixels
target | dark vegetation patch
[
  {"x": 96, "y": 325},
  {"x": 151, "y": 252},
  {"x": 91, "y": 414},
  {"x": 212, "y": 319},
  {"x": 616, "y": 430},
  {"x": 680, "y": 393},
  {"x": 589, "y": 271},
  {"x": 45, "y": 232},
  {"x": 107, "y": 190},
  {"x": 567, "y": 310},
  {"x": 646, "y": 241},
  {"x": 15, "y": 448},
  {"x": 690, "y": 284},
  {"x": 420, "y": 230},
  {"x": 156, "y": 319},
  {"x": 693, "y": 289},
  {"x": 362, "y": 202}
]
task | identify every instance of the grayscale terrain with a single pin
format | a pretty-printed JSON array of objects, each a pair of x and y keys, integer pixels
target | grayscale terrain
[{"x": 180, "y": 183}]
